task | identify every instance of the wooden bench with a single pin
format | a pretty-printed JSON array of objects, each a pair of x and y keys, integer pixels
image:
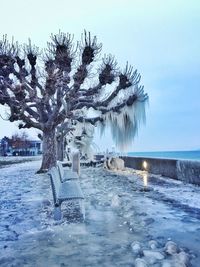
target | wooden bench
[
  {"x": 66, "y": 175},
  {"x": 64, "y": 191}
]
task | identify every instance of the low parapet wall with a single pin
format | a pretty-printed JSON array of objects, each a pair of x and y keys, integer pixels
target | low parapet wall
[{"x": 184, "y": 170}]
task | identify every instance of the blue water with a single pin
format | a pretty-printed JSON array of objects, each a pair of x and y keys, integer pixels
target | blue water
[{"x": 190, "y": 155}]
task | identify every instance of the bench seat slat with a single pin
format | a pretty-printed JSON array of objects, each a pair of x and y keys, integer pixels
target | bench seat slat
[
  {"x": 69, "y": 175},
  {"x": 70, "y": 190}
]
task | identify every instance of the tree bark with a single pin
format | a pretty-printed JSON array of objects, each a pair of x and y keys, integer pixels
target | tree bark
[{"x": 49, "y": 150}]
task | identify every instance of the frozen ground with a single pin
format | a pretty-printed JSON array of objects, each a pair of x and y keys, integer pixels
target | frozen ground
[{"x": 118, "y": 213}]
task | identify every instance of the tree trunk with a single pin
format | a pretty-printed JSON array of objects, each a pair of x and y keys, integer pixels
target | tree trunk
[
  {"x": 60, "y": 147},
  {"x": 49, "y": 150}
]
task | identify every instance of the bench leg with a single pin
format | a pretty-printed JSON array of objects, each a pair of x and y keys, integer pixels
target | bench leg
[{"x": 57, "y": 213}]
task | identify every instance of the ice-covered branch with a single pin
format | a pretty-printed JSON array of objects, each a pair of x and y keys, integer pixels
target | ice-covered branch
[{"x": 89, "y": 48}]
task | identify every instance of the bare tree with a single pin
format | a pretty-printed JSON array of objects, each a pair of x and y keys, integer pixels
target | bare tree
[
  {"x": 45, "y": 89},
  {"x": 20, "y": 141}
]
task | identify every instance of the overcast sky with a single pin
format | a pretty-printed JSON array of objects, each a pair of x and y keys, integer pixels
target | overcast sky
[{"x": 160, "y": 38}]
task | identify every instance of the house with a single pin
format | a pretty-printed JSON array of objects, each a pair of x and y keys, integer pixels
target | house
[
  {"x": 33, "y": 148},
  {"x": 19, "y": 147}
]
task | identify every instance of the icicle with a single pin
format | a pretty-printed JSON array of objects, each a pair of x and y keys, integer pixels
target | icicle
[
  {"x": 64, "y": 105},
  {"x": 124, "y": 126}
]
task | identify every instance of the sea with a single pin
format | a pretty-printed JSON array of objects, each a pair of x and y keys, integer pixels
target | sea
[{"x": 185, "y": 155}]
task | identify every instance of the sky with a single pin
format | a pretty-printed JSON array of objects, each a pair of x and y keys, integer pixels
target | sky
[{"x": 159, "y": 38}]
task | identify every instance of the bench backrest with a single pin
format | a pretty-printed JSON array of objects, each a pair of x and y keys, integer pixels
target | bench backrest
[
  {"x": 60, "y": 169},
  {"x": 66, "y": 174},
  {"x": 55, "y": 181}
]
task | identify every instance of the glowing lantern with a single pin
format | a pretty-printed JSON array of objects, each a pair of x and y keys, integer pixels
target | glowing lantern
[{"x": 145, "y": 165}]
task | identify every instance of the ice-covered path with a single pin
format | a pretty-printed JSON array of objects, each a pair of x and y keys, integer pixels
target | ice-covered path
[{"x": 118, "y": 213}]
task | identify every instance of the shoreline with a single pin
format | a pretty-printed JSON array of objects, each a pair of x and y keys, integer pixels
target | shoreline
[{"x": 178, "y": 155}]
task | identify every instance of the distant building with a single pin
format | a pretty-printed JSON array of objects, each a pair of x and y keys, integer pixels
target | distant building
[
  {"x": 22, "y": 148},
  {"x": 33, "y": 149},
  {"x": 4, "y": 146}
]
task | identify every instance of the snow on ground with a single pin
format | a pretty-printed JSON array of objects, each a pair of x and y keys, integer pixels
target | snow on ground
[
  {"x": 16, "y": 159},
  {"x": 118, "y": 213}
]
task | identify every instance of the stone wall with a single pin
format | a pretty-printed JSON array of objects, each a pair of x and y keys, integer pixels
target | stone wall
[
  {"x": 188, "y": 171},
  {"x": 184, "y": 170}
]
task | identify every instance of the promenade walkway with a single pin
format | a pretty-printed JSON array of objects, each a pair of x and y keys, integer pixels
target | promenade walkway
[{"x": 118, "y": 213}]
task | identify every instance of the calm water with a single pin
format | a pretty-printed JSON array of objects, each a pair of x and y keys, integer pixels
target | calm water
[{"x": 190, "y": 155}]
